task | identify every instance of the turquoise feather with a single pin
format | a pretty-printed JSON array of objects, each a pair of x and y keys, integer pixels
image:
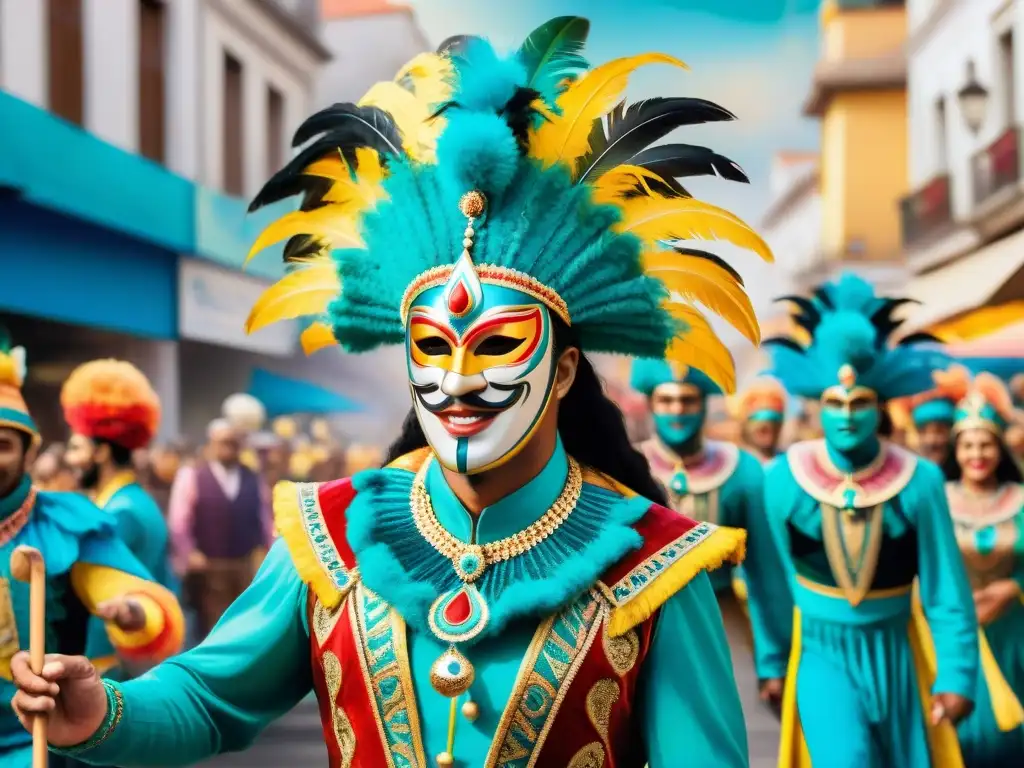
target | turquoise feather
[{"x": 552, "y": 53}]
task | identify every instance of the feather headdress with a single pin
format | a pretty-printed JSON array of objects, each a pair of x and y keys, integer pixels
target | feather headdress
[
  {"x": 13, "y": 411},
  {"x": 575, "y": 205},
  {"x": 986, "y": 404},
  {"x": 937, "y": 404},
  {"x": 111, "y": 400},
  {"x": 849, "y": 325},
  {"x": 647, "y": 374}
]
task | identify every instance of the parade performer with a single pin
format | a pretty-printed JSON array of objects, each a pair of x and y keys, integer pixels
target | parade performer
[
  {"x": 113, "y": 411},
  {"x": 930, "y": 414},
  {"x": 722, "y": 484},
  {"x": 507, "y": 591},
  {"x": 90, "y": 572},
  {"x": 986, "y": 499},
  {"x": 761, "y": 410},
  {"x": 858, "y": 519}
]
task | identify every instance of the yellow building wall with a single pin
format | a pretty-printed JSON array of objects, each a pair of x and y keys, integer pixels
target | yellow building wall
[
  {"x": 863, "y": 34},
  {"x": 864, "y": 173}
]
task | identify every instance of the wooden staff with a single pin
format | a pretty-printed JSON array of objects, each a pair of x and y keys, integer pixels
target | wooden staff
[{"x": 27, "y": 565}]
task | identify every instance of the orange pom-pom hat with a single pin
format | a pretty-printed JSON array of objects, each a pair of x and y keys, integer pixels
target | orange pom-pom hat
[
  {"x": 763, "y": 400},
  {"x": 111, "y": 400}
]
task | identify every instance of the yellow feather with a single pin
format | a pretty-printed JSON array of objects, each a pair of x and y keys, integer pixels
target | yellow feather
[
  {"x": 410, "y": 114},
  {"x": 324, "y": 223},
  {"x": 316, "y": 337},
  {"x": 352, "y": 195},
  {"x": 305, "y": 291},
  {"x": 655, "y": 219},
  {"x": 698, "y": 279},
  {"x": 595, "y": 94},
  {"x": 430, "y": 75},
  {"x": 700, "y": 347},
  {"x": 613, "y": 185}
]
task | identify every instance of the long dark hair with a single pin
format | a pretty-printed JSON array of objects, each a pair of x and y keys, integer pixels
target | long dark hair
[
  {"x": 590, "y": 425},
  {"x": 1007, "y": 470}
]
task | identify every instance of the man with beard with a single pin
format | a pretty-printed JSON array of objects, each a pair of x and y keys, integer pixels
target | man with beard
[
  {"x": 113, "y": 411},
  {"x": 722, "y": 484},
  {"x": 91, "y": 575},
  {"x": 509, "y": 588}
]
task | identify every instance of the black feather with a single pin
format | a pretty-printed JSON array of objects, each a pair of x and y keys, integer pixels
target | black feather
[
  {"x": 455, "y": 44},
  {"x": 632, "y": 129},
  {"x": 520, "y": 114},
  {"x": 301, "y": 247},
  {"x": 783, "y": 341},
  {"x": 681, "y": 160},
  {"x": 883, "y": 320},
  {"x": 710, "y": 257},
  {"x": 824, "y": 297},
  {"x": 807, "y": 315},
  {"x": 920, "y": 337},
  {"x": 361, "y": 126},
  {"x": 665, "y": 186}
]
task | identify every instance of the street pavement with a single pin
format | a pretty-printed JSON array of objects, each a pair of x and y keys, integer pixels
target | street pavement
[{"x": 296, "y": 741}]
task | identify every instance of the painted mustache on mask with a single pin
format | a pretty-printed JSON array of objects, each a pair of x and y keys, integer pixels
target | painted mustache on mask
[{"x": 473, "y": 399}]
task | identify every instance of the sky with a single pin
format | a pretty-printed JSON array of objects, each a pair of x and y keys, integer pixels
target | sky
[{"x": 754, "y": 57}]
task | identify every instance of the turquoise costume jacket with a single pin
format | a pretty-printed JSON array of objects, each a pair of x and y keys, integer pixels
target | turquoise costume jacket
[
  {"x": 256, "y": 664},
  {"x": 86, "y": 563},
  {"x": 142, "y": 526},
  {"x": 859, "y": 659}
]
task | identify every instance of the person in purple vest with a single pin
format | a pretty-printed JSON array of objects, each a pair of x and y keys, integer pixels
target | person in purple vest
[{"x": 221, "y": 525}]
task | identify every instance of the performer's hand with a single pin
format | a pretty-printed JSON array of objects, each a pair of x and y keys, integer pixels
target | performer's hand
[
  {"x": 124, "y": 612},
  {"x": 951, "y": 707},
  {"x": 69, "y": 693},
  {"x": 771, "y": 690}
]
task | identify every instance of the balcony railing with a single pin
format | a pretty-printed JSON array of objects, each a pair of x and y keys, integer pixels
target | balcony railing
[
  {"x": 925, "y": 211},
  {"x": 997, "y": 167}
]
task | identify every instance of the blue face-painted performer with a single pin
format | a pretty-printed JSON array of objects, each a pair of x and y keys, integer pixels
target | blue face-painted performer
[
  {"x": 505, "y": 592},
  {"x": 93, "y": 580},
  {"x": 986, "y": 499},
  {"x": 858, "y": 520},
  {"x": 722, "y": 484}
]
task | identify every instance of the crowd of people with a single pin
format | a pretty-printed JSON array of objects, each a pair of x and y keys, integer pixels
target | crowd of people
[{"x": 516, "y": 583}]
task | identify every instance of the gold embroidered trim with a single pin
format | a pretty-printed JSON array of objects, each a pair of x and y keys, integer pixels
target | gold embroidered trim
[
  {"x": 487, "y": 273},
  {"x": 324, "y": 620},
  {"x": 621, "y": 652},
  {"x": 601, "y": 699},
  {"x": 344, "y": 734},
  {"x": 974, "y": 512},
  {"x": 700, "y": 484},
  {"x": 864, "y": 531},
  {"x": 591, "y": 756},
  {"x": 497, "y": 551}
]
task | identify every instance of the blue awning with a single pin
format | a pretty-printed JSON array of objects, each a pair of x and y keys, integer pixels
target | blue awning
[{"x": 284, "y": 396}]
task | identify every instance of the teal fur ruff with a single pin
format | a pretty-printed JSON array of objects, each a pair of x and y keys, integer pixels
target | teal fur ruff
[
  {"x": 647, "y": 374},
  {"x": 849, "y": 324},
  {"x": 394, "y": 559}
]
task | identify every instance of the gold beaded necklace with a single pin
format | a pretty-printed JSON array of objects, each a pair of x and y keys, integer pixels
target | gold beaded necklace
[{"x": 461, "y": 614}]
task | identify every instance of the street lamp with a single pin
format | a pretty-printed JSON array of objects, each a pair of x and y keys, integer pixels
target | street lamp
[{"x": 973, "y": 98}]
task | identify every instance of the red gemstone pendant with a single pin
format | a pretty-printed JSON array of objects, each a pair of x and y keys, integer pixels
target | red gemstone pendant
[
  {"x": 459, "y": 610},
  {"x": 459, "y": 299}
]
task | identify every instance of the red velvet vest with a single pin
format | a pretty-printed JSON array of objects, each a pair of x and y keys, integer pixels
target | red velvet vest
[{"x": 361, "y": 665}]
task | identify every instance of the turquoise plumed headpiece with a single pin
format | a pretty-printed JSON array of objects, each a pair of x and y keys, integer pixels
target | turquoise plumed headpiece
[
  {"x": 526, "y": 171},
  {"x": 850, "y": 330},
  {"x": 986, "y": 405},
  {"x": 647, "y": 374}
]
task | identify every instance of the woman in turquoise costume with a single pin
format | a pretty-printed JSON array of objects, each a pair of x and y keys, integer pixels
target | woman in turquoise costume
[
  {"x": 722, "y": 484},
  {"x": 859, "y": 520},
  {"x": 508, "y": 591},
  {"x": 90, "y": 572},
  {"x": 986, "y": 499}
]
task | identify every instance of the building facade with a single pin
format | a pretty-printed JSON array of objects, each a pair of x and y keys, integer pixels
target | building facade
[
  {"x": 858, "y": 91},
  {"x": 132, "y": 133},
  {"x": 962, "y": 222}
]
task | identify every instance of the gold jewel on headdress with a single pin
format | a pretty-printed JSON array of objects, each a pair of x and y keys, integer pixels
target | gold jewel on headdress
[
  {"x": 461, "y": 614},
  {"x": 977, "y": 414},
  {"x": 848, "y": 376}
]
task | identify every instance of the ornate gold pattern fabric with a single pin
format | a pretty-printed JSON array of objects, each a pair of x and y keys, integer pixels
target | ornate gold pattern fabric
[
  {"x": 853, "y": 543},
  {"x": 600, "y": 700},
  {"x": 591, "y": 756},
  {"x": 621, "y": 652},
  {"x": 324, "y": 620},
  {"x": 343, "y": 732}
]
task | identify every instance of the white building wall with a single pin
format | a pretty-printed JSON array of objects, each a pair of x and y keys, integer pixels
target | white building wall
[
  {"x": 937, "y": 68},
  {"x": 366, "y": 50},
  {"x": 184, "y": 93},
  {"x": 23, "y": 64},
  {"x": 111, "y": 59}
]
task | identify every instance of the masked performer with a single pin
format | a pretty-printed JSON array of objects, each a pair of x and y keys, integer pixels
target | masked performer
[
  {"x": 724, "y": 485},
  {"x": 113, "y": 411},
  {"x": 986, "y": 499},
  {"x": 929, "y": 415},
  {"x": 89, "y": 570},
  {"x": 496, "y": 595},
  {"x": 761, "y": 410},
  {"x": 858, "y": 519}
]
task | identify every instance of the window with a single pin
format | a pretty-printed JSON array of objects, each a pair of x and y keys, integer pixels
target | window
[
  {"x": 233, "y": 183},
  {"x": 151, "y": 79},
  {"x": 1009, "y": 81},
  {"x": 941, "y": 137},
  {"x": 275, "y": 130},
  {"x": 65, "y": 62}
]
